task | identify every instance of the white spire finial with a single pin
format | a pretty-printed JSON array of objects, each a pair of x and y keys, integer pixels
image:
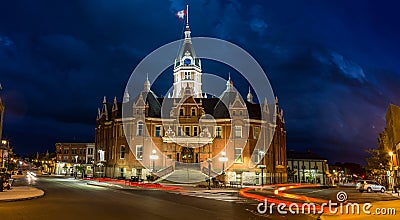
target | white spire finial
[
  {"x": 126, "y": 96},
  {"x": 250, "y": 96},
  {"x": 187, "y": 15},
  {"x": 228, "y": 83},
  {"x": 147, "y": 84}
]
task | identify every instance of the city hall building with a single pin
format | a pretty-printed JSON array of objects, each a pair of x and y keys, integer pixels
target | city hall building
[{"x": 189, "y": 135}]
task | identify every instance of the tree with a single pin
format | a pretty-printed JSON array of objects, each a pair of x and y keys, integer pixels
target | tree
[
  {"x": 65, "y": 167},
  {"x": 377, "y": 164},
  {"x": 81, "y": 169}
]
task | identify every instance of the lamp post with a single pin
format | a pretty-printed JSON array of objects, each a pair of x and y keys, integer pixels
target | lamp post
[
  {"x": 223, "y": 159},
  {"x": 209, "y": 172},
  {"x": 153, "y": 158},
  {"x": 262, "y": 166},
  {"x": 92, "y": 169},
  {"x": 391, "y": 168},
  {"x": 4, "y": 149},
  {"x": 101, "y": 160},
  {"x": 76, "y": 166}
]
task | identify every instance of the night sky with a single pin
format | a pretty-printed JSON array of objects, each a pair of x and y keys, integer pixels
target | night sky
[{"x": 333, "y": 64}]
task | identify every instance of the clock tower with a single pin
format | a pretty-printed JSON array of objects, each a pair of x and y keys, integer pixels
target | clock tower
[{"x": 187, "y": 69}]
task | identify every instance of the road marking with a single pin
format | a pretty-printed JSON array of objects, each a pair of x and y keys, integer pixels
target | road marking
[
  {"x": 220, "y": 196},
  {"x": 314, "y": 191}
]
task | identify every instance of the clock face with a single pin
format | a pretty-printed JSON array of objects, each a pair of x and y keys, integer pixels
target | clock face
[{"x": 187, "y": 61}]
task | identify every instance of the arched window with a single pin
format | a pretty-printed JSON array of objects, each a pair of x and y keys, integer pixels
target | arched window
[
  {"x": 139, "y": 129},
  {"x": 182, "y": 111}
]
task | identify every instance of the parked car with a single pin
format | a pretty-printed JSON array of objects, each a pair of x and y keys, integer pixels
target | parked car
[{"x": 369, "y": 186}]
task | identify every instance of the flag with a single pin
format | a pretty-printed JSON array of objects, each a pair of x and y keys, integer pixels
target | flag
[{"x": 181, "y": 14}]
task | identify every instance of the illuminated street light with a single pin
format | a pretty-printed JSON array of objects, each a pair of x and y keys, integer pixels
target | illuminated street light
[
  {"x": 101, "y": 160},
  {"x": 223, "y": 159},
  {"x": 391, "y": 168},
  {"x": 262, "y": 166},
  {"x": 154, "y": 157}
]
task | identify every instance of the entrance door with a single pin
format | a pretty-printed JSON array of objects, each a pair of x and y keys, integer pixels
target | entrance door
[{"x": 187, "y": 155}]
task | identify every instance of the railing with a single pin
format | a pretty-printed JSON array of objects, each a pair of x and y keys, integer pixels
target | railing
[
  {"x": 165, "y": 171},
  {"x": 212, "y": 173}
]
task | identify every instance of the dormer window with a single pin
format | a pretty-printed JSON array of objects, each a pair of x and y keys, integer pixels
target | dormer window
[
  {"x": 193, "y": 111},
  {"x": 187, "y": 61}
]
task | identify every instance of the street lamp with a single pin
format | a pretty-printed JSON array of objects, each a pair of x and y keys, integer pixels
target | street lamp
[
  {"x": 153, "y": 158},
  {"x": 391, "y": 168},
  {"x": 262, "y": 166},
  {"x": 101, "y": 160},
  {"x": 223, "y": 159},
  {"x": 4, "y": 149},
  {"x": 209, "y": 172},
  {"x": 76, "y": 166}
]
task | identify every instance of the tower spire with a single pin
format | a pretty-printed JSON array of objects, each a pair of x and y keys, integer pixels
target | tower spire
[
  {"x": 229, "y": 83},
  {"x": 250, "y": 96},
  {"x": 147, "y": 84},
  {"x": 187, "y": 15}
]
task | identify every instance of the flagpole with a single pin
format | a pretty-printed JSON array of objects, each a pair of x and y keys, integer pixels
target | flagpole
[{"x": 187, "y": 14}]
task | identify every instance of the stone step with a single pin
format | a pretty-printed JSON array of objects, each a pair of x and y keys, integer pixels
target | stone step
[{"x": 185, "y": 176}]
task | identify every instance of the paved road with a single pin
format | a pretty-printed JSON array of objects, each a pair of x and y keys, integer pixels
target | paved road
[
  {"x": 72, "y": 199},
  {"x": 67, "y": 198}
]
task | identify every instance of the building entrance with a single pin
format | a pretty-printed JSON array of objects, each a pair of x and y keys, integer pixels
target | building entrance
[{"x": 187, "y": 155}]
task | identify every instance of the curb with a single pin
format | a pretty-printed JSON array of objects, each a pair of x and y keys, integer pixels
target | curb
[
  {"x": 22, "y": 199},
  {"x": 106, "y": 186},
  {"x": 92, "y": 184}
]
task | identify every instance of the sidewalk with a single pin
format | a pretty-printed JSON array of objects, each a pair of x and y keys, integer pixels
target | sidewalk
[{"x": 20, "y": 193}]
